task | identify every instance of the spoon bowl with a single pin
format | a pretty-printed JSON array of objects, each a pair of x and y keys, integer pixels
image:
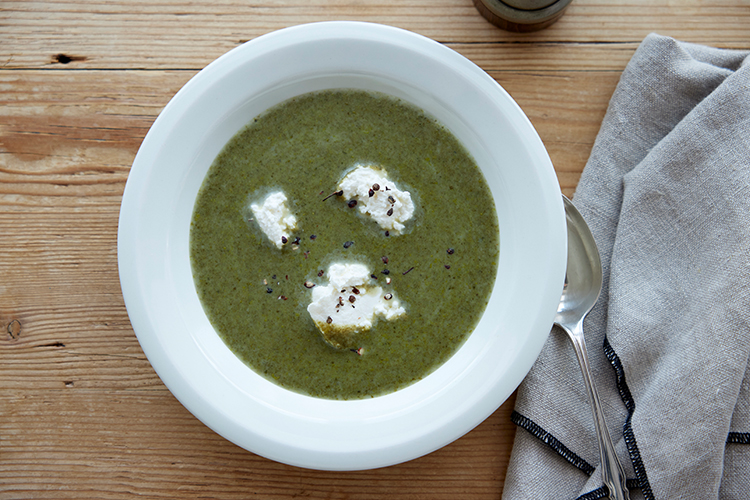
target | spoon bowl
[
  {"x": 583, "y": 277},
  {"x": 583, "y": 284}
]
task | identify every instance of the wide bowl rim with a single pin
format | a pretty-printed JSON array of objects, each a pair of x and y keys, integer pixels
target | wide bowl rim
[{"x": 400, "y": 430}]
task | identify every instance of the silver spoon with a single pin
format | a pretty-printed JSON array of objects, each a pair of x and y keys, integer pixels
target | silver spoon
[{"x": 583, "y": 283}]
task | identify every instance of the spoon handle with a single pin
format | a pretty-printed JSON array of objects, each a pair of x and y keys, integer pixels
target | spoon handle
[{"x": 613, "y": 474}]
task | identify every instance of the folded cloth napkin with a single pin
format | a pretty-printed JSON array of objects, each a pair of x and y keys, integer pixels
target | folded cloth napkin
[{"x": 666, "y": 193}]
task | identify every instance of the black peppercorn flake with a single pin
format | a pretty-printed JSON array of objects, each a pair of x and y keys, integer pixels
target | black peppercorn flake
[
  {"x": 329, "y": 320},
  {"x": 352, "y": 203},
  {"x": 376, "y": 187},
  {"x": 312, "y": 236},
  {"x": 384, "y": 258},
  {"x": 450, "y": 251},
  {"x": 320, "y": 273},
  {"x": 371, "y": 193},
  {"x": 447, "y": 266},
  {"x": 348, "y": 244},
  {"x": 407, "y": 271},
  {"x": 385, "y": 271},
  {"x": 388, "y": 296},
  {"x": 269, "y": 290},
  {"x": 352, "y": 299},
  {"x": 389, "y": 212},
  {"x": 387, "y": 233},
  {"x": 391, "y": 199},
  {"x": 284, "y": 240},
  {"x": 373, "y": 276},
  {"x": 309, "y": 284},
  {"x": 335, "y": 193}
]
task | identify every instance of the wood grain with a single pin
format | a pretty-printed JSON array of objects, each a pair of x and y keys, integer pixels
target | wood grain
[
  {"x": 176, "y": 34},
  {"x": 82, "y": 412},
  {"x": 143, "y": 442}
]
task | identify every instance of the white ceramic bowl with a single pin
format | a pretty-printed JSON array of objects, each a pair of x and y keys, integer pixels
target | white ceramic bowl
[{"x": 168, "y": 318}]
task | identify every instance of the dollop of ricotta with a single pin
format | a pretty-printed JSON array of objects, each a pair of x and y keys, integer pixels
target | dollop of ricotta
[
  {"x": 274, "y": 218},
  {"x": 350, "y": 304},
  {"x": 378, "y": 197}
]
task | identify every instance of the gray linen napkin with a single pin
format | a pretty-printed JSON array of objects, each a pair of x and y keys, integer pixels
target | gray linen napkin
[{"x": 666, "y": 192}]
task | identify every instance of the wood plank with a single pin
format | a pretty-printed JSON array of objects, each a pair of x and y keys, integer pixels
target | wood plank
[
  {"x": 75, "y": 442},
  {"x": 179, "y": 35}
]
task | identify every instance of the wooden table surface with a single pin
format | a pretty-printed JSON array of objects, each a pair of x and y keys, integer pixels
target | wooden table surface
[{"x": 82, "y": 412}]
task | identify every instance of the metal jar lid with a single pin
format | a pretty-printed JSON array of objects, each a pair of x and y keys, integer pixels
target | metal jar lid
[{"x": 522, "y": 16}]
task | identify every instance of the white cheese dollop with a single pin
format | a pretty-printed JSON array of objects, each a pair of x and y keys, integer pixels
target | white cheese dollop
[
  {"x": 378, "y": 197},
  {"x": 274, "y": 218},
  {"x": 348, "y": 304}
]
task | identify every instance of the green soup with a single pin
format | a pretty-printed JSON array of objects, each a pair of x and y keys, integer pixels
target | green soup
[{"x": 442, "y": 268}]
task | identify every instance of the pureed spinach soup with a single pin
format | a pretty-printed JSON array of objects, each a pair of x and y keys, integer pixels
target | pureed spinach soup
[{"x": 440, "y": 267}]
